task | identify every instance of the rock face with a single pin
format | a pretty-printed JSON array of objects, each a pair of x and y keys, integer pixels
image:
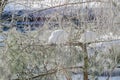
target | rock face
[
  {"x": 58, "y": 37},
  {"x": 27, "y": 19}
]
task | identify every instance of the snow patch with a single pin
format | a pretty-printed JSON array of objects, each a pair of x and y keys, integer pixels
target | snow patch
[
  {"x": 88, "y": 36},
  {"x": 58, "y": 37}
]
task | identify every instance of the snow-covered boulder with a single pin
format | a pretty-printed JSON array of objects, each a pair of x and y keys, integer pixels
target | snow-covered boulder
[
  {"x": 58, "y": 37},
  {"x": 88, "y": 36},
  {"x": 109, "y": 36},
  {"x": 105, "y": 47}
]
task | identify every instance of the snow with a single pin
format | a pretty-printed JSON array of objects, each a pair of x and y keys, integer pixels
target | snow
[
  {"x": 104, "y": 47},
  {"x": 109, "y": 36},
  {"x": 58, "y": 37},
  {"x": 80, "y": 77},
  {"x": 14, "y": 6},
  {"x": 1, "y": 41},
  {"x": 88, "y": 36}
]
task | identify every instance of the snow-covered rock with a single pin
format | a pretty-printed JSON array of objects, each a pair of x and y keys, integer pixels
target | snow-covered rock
[
  {"x": 88, "y": 36},
  {"x": 109, "y": 36},
  {"x": 58, "y": 37},
  {"x": 105, "y": 47}
]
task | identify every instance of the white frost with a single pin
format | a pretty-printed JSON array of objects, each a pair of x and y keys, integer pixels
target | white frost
[{"x": 58, "y": 37}]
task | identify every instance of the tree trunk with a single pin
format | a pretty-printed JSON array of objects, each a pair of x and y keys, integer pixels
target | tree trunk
[{"x": 85, "y": 69}]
